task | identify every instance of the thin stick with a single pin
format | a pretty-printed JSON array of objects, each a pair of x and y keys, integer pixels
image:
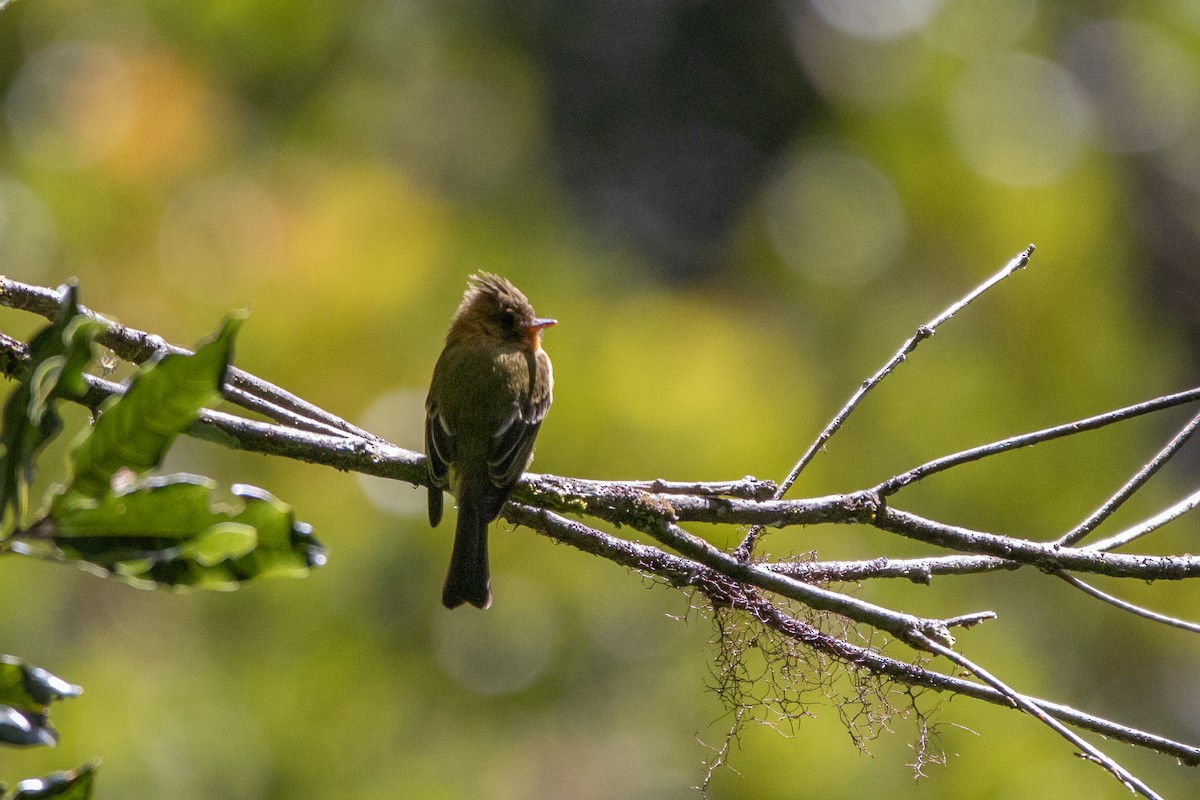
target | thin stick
[
  {"x": 1136, "y": 482},
  {"x": 970, "y": 620},
  {"x": 1149, "y": 526},
  {"x": 746, "y": 548},
  {"x": 1043, "y": 555},
  {"x": 1031, "y": 707},
  {"x": 898, "y": 482},
  {"x": 683, "y": 573},
  {"x": 917, "y": 570},
  {"x": 243, "y": 389},
  {"x": 1124, "y": 605},
  {"x": 896, "y": 623}
]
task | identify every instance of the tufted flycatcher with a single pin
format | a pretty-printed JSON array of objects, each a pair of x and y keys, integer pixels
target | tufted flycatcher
[{"x": 490, "y": 392}]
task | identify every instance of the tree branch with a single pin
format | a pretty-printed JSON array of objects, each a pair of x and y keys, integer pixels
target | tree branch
[
  {"x": 1049, "y": 557},
  {"x": 1110, "y": 506},
  {"x": 721, "y": 591},
  {"x": 1031, "y": 707},
  {"x": 137, "y": 347},
  {"x": 917, "y": 570},
  {"x": 746, "y": 549},
  {"x": 761, "y": 589},
  {"x": 1148, "y": 526},
  {"x": 898, "y": 482},
  {"x": 1137, "y": 610}
]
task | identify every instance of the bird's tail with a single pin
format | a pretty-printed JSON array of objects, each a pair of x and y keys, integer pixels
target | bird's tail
[{"x": 468, "y": 580}]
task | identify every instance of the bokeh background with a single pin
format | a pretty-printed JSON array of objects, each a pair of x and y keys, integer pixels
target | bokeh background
[{"x": 738, "y": 210}]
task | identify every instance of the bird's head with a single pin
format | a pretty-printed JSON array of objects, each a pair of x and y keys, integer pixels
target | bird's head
[{"x": 494, "y": 309}]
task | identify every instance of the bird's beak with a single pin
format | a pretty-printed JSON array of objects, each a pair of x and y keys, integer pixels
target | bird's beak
[{"x": 535, "y": 331}]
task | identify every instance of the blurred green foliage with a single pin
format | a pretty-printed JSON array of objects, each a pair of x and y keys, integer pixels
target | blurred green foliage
[
  {"x": 723, "y": 282},
  {"x": 58, "y": 355},
  {"x": 25, "y": 696},
  {"x": 26, "y": 693},
  {"x": 63, "y": 785},
  {"x": 166, "y": 530},
  {"x": 162, "y": 531}
]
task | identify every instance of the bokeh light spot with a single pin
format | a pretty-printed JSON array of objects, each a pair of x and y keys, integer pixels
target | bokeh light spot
[
  {"x": 968, "y": 27},
  {"x": 1141, "y": 84},
  {"x": 835, "y": 218},
  {"x": 179, "y": 121},
  {"x": 1018, "y": 120},
  {"x": 868, "y": 73},
  {"x": 399, "y": 417},
  {"x": 504, "y": 649},
  {"x": 28, "y": 240},
  {"x": 219, "y": 237},
  {"x": 876, "y": 19},
  {"x": 70, "y": 105}
]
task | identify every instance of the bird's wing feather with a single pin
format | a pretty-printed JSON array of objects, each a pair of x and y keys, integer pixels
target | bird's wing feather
[
  {"x": 440, "y": 445},
  {"x": 511, "y": 451},
  {"x": 512, "y": 444}
]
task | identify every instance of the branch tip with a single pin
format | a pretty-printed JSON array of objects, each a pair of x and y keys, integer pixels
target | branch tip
[{"x": 970, "y": 620}]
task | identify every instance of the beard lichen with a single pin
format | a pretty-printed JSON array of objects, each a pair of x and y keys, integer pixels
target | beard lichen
[{"x": 777, "y": 662}]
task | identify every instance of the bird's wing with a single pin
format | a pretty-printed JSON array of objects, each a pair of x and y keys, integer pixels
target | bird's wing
[
  {"x": 512, "y": 448},
  {"x": 512, "y": 444},
  {"x": 440, "y": 445}
]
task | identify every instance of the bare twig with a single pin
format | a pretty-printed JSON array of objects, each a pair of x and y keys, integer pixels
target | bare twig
[
  {"x": 917, "y": 570},
  {"x": 719, "y": 589},
  {"x": 1136, "y": 482},
  {"x": 970, "y": 620},
  {"x": 760, "y": 589},
  {"x": 746, "y": 549},
  {"x": 1148, "y": 526},
  {"x": 242, "y": 389},
  {"x": 748, "y": 488},
  {"x": 1124, "y": 605},
  {"x": 898, "y": 482},
  {"x": 1032, "y": 707},
  {"x": 1049, "y": 557}
]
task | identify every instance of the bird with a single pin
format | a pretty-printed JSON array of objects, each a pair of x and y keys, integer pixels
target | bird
[{"x": 491, "y": 388}]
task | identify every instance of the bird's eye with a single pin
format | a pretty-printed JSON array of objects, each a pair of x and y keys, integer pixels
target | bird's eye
[{"x": 508, "y": 318}]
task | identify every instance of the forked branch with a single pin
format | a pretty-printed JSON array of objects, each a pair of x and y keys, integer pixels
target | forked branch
[{"x": 769, "y": 592}]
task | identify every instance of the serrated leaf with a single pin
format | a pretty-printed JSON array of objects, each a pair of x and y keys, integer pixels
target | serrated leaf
[
  {"x": 58, "y": 356},
  {"x": 135, "y": 430},
  {"x": 170, "y": 531},
  {"x": 75, "y": 784},
  {"x": 26, "y": 692}
]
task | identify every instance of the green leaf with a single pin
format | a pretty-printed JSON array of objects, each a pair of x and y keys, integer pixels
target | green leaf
[
  {"x": 135, "y": 430},
  {"x": 24, "y": 729},
  {"x": 58, "y": 355},
  {"x": 25, "y": 696},
  {"x": 171, "y": 531},
  {"x": 221, "y": 542},
  {"x": 76, "y": 784}
]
